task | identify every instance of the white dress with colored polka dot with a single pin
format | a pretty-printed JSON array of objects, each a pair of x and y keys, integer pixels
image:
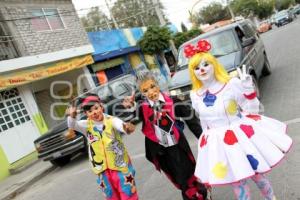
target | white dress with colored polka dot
[{"x": 236, "y": 143}]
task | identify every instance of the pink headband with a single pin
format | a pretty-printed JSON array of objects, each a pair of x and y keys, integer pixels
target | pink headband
[
  {"x": 202, "y": 46},
  {"x": 90, "y": 99}
]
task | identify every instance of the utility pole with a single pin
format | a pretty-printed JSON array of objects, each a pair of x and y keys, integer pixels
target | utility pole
[
  {"x": 107, "y": 23},
  {"x": 191, "y": 13},
  {"x": 163, "y": 23},
  {"x": 230, "y": 10},
  {"x": 142, "y": 20},
  {"x": 112, "y": 16}
]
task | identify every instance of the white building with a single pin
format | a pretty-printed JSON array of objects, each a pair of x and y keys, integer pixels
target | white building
[{"x": 43, "y": 56}]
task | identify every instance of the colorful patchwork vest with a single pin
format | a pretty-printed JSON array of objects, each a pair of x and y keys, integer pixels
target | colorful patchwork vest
[{"x": 106, "y": 149}]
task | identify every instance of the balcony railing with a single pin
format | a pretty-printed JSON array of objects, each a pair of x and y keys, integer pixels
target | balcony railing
[{"x": 8, "y": 49}]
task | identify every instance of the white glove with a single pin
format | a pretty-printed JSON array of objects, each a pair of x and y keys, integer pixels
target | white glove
[{"x": 245, "y": 78}]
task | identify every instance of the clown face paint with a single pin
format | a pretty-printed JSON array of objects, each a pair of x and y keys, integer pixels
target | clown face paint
[
  {"x": 204, "y": 71},
  {"x": 95, "y": 113},
  {"x": 150, "y": 90}
]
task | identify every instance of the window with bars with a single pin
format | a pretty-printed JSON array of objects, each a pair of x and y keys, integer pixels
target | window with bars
[
  {"x": 46, "y": 19},
  {"x": 12, "y": 110}
]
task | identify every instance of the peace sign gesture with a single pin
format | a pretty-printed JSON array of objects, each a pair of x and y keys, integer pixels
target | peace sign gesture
[{"x": 245, "y": 78}]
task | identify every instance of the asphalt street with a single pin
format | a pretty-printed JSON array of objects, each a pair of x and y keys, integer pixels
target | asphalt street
[{"x": 281, "y": 100}]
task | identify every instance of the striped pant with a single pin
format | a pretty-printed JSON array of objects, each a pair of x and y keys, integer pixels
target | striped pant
[
  {"x": 242, "y": 191},
  {"x": 117, "y": 185}
]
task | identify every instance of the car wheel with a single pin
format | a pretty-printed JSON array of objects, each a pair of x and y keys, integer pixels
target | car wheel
[
  {"x": 266, "y": 68},
  {"x": 256, "y": 87},
  {"x": 62, "y": 161}
]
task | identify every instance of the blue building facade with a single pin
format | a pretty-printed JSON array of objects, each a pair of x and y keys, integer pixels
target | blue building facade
[{"x": 116, "y": 54}]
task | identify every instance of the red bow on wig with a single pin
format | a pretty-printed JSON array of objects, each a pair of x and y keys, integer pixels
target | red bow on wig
[{"x": 202, "y": 46}]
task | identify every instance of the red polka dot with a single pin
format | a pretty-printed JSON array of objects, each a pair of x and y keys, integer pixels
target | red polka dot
[
  {"x": 254, "y": 117},
  {"x": 248, "y": 130},
  {"x": 230, "y": 138},
  {"x": 203, "y": 141}
]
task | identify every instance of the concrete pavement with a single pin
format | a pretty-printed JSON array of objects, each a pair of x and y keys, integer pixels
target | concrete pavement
[
  {"x": 17, "y": 183},
  {"x": 281, "y": 99}
]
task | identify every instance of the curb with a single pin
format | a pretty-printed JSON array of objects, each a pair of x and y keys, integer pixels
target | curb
[
  {"x": 22, "y": 168},
  {"x": 23, "y": 185}
]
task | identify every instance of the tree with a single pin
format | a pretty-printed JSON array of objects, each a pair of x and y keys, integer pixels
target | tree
[
  {"x": 283, "y": 4},
  {"x": 265, "y": 9},
  {"x": 155, "y": 41},
  {"x": 181, "y": 37},
  {"x": 250, "y": 8},
  {"x": 246, "y": 8},
  {"x": 194, "y": 19},
  {"x": 183, "y": 27},
  {"x": 142, "y": 10},
  {"x": 94, "y": 20},
  {"x": 212, "y": 13},
  {"x": 194, "y": 32}
]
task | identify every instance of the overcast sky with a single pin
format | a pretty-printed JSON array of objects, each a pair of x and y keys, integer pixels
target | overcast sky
[{"x": 177, "y": 11}]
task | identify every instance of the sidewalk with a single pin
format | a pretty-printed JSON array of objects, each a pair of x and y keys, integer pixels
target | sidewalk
[{"x": 17, "y": 183}]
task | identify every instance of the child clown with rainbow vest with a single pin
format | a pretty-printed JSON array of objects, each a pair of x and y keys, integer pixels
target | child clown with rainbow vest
[{"x": 107, "y": 152}]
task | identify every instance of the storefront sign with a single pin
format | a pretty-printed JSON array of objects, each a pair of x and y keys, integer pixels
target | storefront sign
[{"x": 21, "y": 77}]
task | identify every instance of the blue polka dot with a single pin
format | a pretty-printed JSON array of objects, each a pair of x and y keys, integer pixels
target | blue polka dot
[
  {"x": 209, "y": 99},
  {"x": 254, "y": 163}
]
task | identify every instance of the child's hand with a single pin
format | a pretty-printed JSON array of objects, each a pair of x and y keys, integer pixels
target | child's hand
[
  {"x": 128, "y": 127},
  {"x": 132, "y": 96},
  {"x": 71, "y": 111}
]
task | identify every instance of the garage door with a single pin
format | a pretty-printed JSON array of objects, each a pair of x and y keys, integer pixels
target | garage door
[{"x": 17, "y": 131}]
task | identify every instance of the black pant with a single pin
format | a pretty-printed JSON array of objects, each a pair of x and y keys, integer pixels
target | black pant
[{"x": 177, "y": 164}]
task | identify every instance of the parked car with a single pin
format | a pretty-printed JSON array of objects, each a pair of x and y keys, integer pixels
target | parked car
[
  {"x": 296, "y": 9},
  {"x": 233, "y": 45},
  {"x": 264, "y": 26},
  {"x": 272, "y": 19},
  {"x": 283, "y": 17},
  {"x": 59, "y": 144},
  {"x": 113, "y": 92}
]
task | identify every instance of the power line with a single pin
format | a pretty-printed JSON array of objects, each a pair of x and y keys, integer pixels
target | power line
[
  {"x": 137, "y": 14},
  {"x": 95, "y": 26},
  {"x": 69, "y": 11},
  {"x": 111, "y": 15},
  {"x": 42, "y": 16},
  {"x": 163, "y": 22},
  {"x": 57, "y": 14},
  {"x": 132, "y": 16}
]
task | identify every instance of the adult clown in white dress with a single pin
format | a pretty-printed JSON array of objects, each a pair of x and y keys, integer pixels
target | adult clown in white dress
[{"x": 237, "y": 143}]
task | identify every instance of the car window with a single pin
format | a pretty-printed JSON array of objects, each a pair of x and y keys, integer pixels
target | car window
[
  {"x": 119, "y": 89},
  {"x": 223, "y": 43},
  {"x": 104, "y": 93},
  {"x": 248, "y": 31},
  {"x": 281, "y": 14}
]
